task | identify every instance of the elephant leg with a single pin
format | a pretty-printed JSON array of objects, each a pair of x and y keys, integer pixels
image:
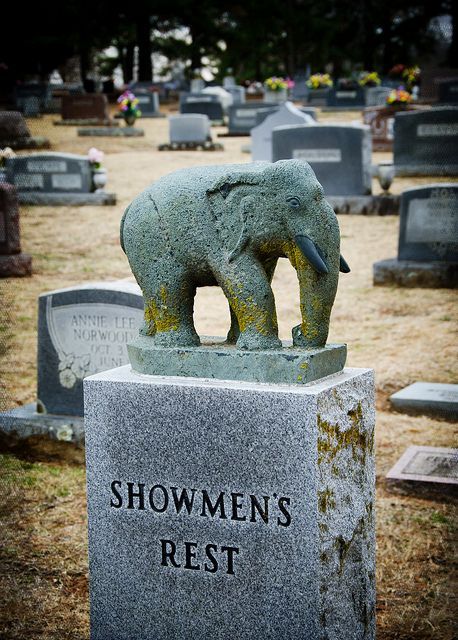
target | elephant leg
[
  {"x": 317, "y": 293},
  {"x": 247, "y": 288},
  {"x": 234, "y": 331},
  {"x": 169, "y": 306}
]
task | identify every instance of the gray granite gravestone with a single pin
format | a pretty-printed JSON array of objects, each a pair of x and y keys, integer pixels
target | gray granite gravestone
[
  {"x": 426, "y": 468},
  {"x": 448, "y": 91},
  {"x": 426, "y": 142},
  {"x": 32, "y": 97},
  {"x": 376, "y": 96},
  {"x": 428, "y": 240},
  {"x": 14, "y": 132},
  {"x": 237, "y": 93},
  {"x": 54, "y": 178},
  {"x": 430, "y": 398},
  {"x": 240, "y": 502},
  {"x": 12, "y": 261},
  {"x": 148, "y": 103},
  {"x": 300, "y": 90},
  {"x": 343, "y": 98},
  {"x": 261, "y": 135},
  {"x": 243, "y": 117},
  {"x": 81, "y": 330},
  {"x": 190, "y": 131},
  {"x": 204, "y": 103},
  {"x": 339, "y": 155}
]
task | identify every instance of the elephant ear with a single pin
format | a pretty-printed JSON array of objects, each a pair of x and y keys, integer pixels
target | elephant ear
[{"x": 229, "y": 181}]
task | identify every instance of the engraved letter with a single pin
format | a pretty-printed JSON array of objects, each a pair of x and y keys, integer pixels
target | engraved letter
[
  {"x": 285, "y": 512},
  {"x": 118, "y": 495},
  {"x": 183, "y": 499},
  {"x": 208, "y": 550},
  {"x": 169, "y": 554},
  {"x": 236, "y": 506},
  {"x": 219, "y": 504},
  {"x": 140, "y": 495},
  {"x": 255, "y": 506},
  {"x": 230, "y": 558},
  {"x": 165, "y": 498},
  {"x": 191, "y": 555}
]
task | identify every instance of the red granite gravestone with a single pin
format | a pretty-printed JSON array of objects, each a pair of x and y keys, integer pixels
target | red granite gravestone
[
  {"x": 85, "y": 107},
  {"x": 12, "y": 261}
]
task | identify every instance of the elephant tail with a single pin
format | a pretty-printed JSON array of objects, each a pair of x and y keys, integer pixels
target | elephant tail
[{"x": 123, "y": 219}]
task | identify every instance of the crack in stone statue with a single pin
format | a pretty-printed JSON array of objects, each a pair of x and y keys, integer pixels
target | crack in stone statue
[{"x": 227, "y": 225}]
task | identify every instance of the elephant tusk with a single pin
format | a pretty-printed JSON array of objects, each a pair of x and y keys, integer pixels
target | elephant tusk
[
  {"x": 343, "y": 266},
  {"x": 311, "y": 252}
]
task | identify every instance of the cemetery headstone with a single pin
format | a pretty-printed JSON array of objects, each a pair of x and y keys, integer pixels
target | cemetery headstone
[
  {"x": 243, "y": 117},
  {"x": 345, "y": 98},
  {"x": 190, "y": 131},
  {"x": 15, "y": 133},
  {"x": 148, "y": 103},
  {"x": 318, "y": 97},
  {"x": 261, "y": 136},
  {"x": 300, "y": 91},
  {"x": 228, "y": 82},
  {"x": 381, "y": 122},
  {"x": 376, "y": 96},
  {"x": 426, "y": 468},
  {"x": 91, "y": 108},
  {"x": 426, "y": 142},
  {"x": 339, "y": 155},
  {"x": 237, "y": 93},
  {"x": 12, "y": 261},
  {"x": 223, "y": 95},
  {"x": 32, "y": 98},
  {"x": 448, "y": 91},
  {"x": 81, "y": 330},
  {"x": 203, "y": 103},
  {"x": 202, "y": 489},
  {"x": 428, "y": 240},
  {"x": 197, "y": 84},
  {"x": 429, "y": 398},
  {"x": 54, "y": 179}
]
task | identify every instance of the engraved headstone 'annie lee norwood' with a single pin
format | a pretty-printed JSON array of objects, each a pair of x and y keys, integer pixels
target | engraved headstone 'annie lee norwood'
[{"x": 235, "y": 509}]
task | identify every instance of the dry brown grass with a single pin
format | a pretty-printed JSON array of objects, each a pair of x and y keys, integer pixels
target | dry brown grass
[{"x": 405, "y": 335}]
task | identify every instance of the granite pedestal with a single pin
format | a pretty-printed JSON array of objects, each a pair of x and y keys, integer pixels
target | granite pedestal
[
  {"x": 224, "y": 509},
  {"x": 112, "y": 132}
]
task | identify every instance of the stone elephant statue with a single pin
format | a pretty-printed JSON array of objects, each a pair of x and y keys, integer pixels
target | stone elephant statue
[{"x": 227, "y": 225}]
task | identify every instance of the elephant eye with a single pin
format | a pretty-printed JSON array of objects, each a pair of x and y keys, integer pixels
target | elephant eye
[{"x": 293, "y": 202}]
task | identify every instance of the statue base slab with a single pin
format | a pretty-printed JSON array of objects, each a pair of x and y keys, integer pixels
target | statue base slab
[{"x": 216, "y": 359}]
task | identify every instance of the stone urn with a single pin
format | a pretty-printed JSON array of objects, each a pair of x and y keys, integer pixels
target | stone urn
[
  {"x": 276, "y": 96},
  {"x": 99, "y": 179}
]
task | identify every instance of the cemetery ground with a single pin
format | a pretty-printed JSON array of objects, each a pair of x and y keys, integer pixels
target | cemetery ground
[{"x": 404, "y": 334}]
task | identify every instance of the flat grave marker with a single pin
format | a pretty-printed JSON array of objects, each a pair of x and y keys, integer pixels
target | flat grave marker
[
  {"x": 422, "y": 468},
  {"x": 430, "y": 398}
]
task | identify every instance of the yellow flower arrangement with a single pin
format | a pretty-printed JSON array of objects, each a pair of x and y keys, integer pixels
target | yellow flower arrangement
[
  {"x": 398, "y": 97},
  {"x": 319, "y": 81},
  {"x": 275, "y": 83},
  {"x": 369, "y": 79}
]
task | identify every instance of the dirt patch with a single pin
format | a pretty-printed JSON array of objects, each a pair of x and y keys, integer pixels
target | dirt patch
[{"x": 405, "y": 335}]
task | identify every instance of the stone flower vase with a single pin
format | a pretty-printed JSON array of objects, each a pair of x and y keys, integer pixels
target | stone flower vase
[
  {"x": 129, "y": 119},
  {"x": 276, "y": 96},
  {"x": 99, "y": 179}
]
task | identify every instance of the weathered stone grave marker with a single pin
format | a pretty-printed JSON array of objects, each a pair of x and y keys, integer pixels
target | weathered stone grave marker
[
  {"x": 88, "y": 108},
  {"x": 426, "y": 142},
  {"x": 428, "y": 240},
  {"x": 339, "y": 155},
  {"x": 54, "y": 179},
  {"x": 346, "y": 98},
  {"x": 242, "y": 117},
  {"x": 238, "y": 500},
  {"x": 204, "y": 103},
  {"x": 81, "y": 330},
  {"x": 12, "y": 261},
  {"x": 430, "y": 398},
  {"x": 190, "y": 131},
  {"x": 14, "y": 133},
  {"x": 423, "y": 468},
  {"x": 261, "y": 135}
]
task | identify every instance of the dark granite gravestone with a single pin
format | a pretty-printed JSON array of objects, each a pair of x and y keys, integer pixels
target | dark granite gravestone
[
  {"x": 81, "y": 330},
  {"x": 92, "y": 108},
  {"x": 54, "y": 178},
  {"x": 339, "y": 155},
  {"x": 318, "y": 97},
  {"x": 428, "y": 240},
  {"x": 381, "y": 122},
  {"x": 448, "y": 91},
  {"x": 32, "y": 97},
  {"x": 424, "y": 469},
  {"x": 243, "y": 117},
  {"x": 15, "y": 133},
  {"x": 426, "y": 142},
  {"x": 148, "y": 103},
  {"x": 429, "y": 398},
  {"x": 12, "y": 261},
  {"x": 342, "y": 98},
  {"x": 204, "y": 103}
]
